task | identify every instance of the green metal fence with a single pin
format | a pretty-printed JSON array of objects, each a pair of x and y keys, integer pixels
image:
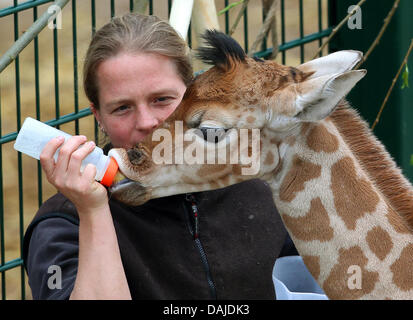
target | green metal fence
[{"x": 43, "y": 82}]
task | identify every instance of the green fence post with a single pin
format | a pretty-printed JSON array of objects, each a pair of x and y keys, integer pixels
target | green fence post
[{"x": 395, "y": 127}]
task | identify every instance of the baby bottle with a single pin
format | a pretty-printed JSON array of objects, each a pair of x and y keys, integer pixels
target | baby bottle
[{"x": 34, "y": 135}]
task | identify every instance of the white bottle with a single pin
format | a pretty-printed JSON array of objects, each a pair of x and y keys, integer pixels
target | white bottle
[{"x": 34, "y": 135}]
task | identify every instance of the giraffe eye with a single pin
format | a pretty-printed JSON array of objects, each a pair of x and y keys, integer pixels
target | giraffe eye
[{"x": 213, "y": 134}]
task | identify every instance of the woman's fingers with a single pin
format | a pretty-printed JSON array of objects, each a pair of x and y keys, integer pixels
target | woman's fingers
[
  {"x": 67, "y": 150},
  {"x": 78, "y": 156},
  {"x": 66, "y": 176},
  {"x": 89, "y": 173},
  {"x": 47, "y": 155}
]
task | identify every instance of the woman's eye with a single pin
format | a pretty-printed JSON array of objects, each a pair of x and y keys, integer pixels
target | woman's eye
[
  {"x": 121, "y": 108},
  {"x": 212, "y": 134},
  {"x": 162, "y": 100}
]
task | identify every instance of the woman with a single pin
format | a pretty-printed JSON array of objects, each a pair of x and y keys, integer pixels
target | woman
[{"x": 136, "y": 71}]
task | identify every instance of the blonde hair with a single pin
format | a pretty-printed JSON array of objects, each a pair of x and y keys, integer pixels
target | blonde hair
[{"x": 134, "y": 33}]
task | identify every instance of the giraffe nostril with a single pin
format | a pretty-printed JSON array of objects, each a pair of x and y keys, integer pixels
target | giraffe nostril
[{"x": 135, "y": 156}]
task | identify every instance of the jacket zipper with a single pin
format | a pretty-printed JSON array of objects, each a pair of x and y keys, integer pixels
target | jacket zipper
[{"x": 194, "y": 230}]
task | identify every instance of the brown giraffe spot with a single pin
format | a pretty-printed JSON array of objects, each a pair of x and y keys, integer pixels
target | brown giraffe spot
[
  {"x": 188, "y": 180},
  {"x": 315, "y": 225},
  {"x": 313, "y": 265},
  {"x": 301, "y": 171},
  {"x": 338, "y": 283},
  {"x": 353, "y": 197},
  {"x": 402, "y": 269},
  {"x": 269, "y": 159},
  {"x": 237, "y": 169},
  {"x": 379, "y": 242},
  {"x": 253, "y": 101},
  {"x": 251, "y": 119},
  {"x": 320, "y": 139},
  {"x": 208, "y": 169}
]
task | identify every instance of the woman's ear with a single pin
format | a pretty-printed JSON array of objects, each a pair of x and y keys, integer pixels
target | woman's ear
[{"x": 95, "y": 112}]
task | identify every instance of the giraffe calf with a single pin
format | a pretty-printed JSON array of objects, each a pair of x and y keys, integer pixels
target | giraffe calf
[{"x": 343, "y": 200}]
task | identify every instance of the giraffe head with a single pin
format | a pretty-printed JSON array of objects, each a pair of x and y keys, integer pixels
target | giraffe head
[{"x": 230, "y": 123}]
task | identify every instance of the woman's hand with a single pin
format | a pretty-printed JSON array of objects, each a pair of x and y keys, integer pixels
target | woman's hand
[
  {"x": 79, "y": 187},
  {"x": 100, "y": 273}
]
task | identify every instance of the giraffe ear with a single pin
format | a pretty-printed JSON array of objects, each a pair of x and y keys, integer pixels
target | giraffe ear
[
  {"x": 337, "y": 62},
  {"x": 317, "y": 97}
]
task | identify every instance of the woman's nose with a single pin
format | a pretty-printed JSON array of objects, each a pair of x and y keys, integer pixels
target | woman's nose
[{"x": 146, "y": 120}]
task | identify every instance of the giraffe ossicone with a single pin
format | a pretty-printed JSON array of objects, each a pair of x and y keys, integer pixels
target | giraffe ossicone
[{"x": 342, "y": 198}]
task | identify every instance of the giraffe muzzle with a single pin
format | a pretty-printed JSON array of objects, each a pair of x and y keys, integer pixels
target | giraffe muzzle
[{"x": 135, "y": 156}]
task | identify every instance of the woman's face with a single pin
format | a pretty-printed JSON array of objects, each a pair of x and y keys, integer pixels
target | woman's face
[{"x": 137, "y": 92}]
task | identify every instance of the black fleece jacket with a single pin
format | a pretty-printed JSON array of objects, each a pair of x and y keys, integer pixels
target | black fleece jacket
[{"x": 227, "y": 252}]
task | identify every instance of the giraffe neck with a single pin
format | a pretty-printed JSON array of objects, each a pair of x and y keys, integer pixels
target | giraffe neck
[{"x": 352, "y": 240}]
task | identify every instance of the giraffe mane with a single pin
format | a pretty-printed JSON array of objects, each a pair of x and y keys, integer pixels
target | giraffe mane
[{"x": 374, "y": 158}]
